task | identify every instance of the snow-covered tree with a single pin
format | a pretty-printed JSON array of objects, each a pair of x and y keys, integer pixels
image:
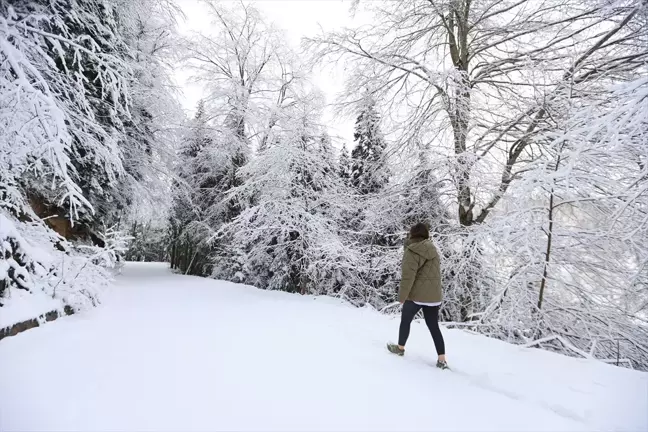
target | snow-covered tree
[
  {"x": 240, "y": 66},
  {"x": 582, "y": 232},
  {"x": 148, "y": 242},
  {"x": 46, "y": 108},
  {"x": 154, "y": 127},
  {"x": 375, "y": 238},
  {"x": 192, "y": 197},
  {"x": 248, "y": 74},
  {"x": 325, "y": 148},
  {"x": 369, "y": 171},
  {"x": 344, "y": 164},
  {"x": 233, "y": 65},
  {"x": 288, "y": 237}
]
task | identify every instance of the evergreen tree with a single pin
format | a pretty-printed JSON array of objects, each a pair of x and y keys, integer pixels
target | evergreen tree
[
  {"x": 112, "y": 128},
  {"x": 239, "y": 110},
  {"x": 209, "y": 164},
  {"x": 97, "y": 155},
  {"x": 373, "y": 233},
  {"x": 288, "y": 237},
  {"x": 148, "y": 243},
  {"x": 84, "y": 65},
  {"x": 325, "y": 148},
  {"x": 151, "y": 131},
  {"x": 188, "y": 221},
  {"x": 344, "y": 164},
  {"x": 369, "y": 172}
]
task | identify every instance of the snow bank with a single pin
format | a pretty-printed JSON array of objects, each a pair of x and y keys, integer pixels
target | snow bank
[
  {"x": 167, "y": 352},
  {"x": 50, "y": 278}
]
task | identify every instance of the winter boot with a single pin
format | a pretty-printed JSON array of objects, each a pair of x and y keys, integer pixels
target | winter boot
[{"x": 395, "y": 349}]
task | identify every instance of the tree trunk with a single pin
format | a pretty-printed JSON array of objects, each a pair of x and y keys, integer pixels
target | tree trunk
[
  {"x": 545, "y": 270},
  {"x": 458, "y": 108}
]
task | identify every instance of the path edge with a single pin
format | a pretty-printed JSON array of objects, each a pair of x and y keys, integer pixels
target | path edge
[{"x": 22, "y": 326}]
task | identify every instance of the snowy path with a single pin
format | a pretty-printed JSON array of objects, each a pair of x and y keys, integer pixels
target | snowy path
[{"x": 168, "y": 352}]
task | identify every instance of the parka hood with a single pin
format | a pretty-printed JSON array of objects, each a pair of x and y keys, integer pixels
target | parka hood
[{"x": 424, "y": 248}]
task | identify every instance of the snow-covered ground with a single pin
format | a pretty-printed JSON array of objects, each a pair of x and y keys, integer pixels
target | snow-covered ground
[{"x": 169, "y": 352}]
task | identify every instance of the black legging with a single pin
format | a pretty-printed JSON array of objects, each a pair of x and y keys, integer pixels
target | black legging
[{"x": 431, "y": 314}]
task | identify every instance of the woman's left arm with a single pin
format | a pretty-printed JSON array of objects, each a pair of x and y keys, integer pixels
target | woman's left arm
[{"x": 409, "y": 268}]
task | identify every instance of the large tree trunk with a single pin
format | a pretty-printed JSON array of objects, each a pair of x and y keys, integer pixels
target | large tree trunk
[{"x": 458, "y": 107}]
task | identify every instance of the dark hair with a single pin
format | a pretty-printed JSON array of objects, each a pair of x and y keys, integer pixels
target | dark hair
[{"x": 420, "y": 230}]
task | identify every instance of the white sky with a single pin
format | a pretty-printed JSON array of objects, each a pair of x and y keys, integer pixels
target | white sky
[{"x": 298, "y": 18}]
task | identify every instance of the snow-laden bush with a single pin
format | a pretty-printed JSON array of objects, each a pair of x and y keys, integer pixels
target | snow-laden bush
[{"x": 38, "y": 262}]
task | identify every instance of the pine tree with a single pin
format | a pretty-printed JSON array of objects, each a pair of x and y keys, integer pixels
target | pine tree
[
  {"x": 97, "y": 156},
  {"x": 375, "y": 238},
  {"x": 234, "y": 144},
  {"x": 344, "y": 164},
  {"x": 151, "y": 131},
  {"x": 210, "y": 162},
  {"x": 288, "y": 236},
  {"x": 189, "y": 222},
  {"x": 83, "y": 62},
  {"x": 369, "y": 172},
  {"x": 325, "y": 148}
]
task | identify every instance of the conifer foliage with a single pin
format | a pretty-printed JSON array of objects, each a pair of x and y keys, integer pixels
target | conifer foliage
[{"x": 369, "y": 171}]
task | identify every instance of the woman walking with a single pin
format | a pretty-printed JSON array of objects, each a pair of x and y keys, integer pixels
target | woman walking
[{"x": 420, "y": 288}]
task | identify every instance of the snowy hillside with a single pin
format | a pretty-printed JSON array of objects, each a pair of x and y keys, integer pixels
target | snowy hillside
[{"x": 168, "y": 352}]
